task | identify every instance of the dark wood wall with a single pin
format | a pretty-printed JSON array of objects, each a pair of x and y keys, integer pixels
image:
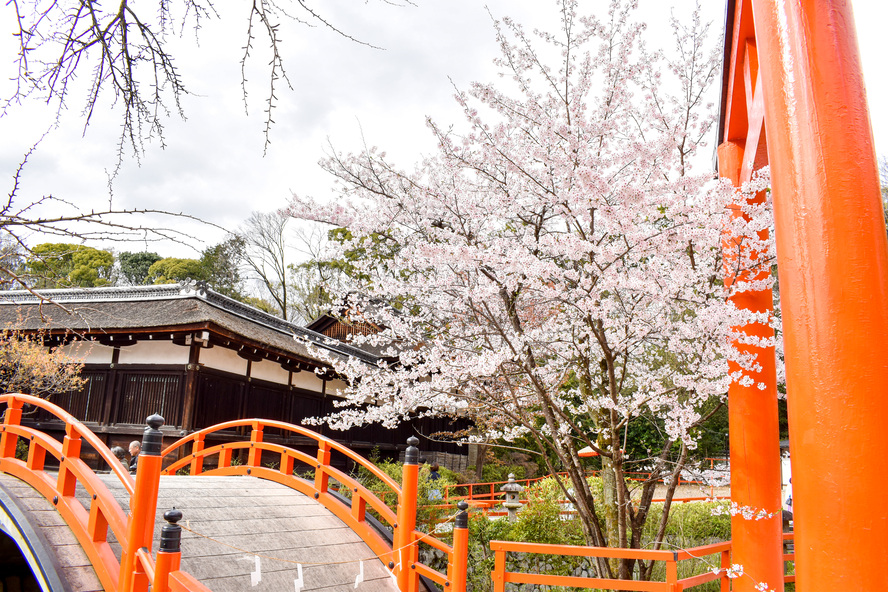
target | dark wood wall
[{"x": 117, "y": 399}]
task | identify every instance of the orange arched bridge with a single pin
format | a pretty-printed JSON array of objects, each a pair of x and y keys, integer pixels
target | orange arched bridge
[{"x": 234, "y": 526}]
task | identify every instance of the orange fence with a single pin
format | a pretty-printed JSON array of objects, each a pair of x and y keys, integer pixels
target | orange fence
[
  {"x": 489, "y": 494},
  {"x": 671, "y": 558},
  {"x": 672, "y": 582},
  {"x": 136, "y": 569}
]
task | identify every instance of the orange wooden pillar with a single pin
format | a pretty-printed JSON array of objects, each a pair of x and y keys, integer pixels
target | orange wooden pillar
[
  {"x": 833, "y": 267},
  {"x": 143, "y": 507},
  {"x": 757, "y": 544},
  {"x": 404, "y": 540},
  {"x": 753, "y": 423}
]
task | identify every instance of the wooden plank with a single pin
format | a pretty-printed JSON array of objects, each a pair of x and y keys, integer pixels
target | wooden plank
[{"x": 82, "y": 579}]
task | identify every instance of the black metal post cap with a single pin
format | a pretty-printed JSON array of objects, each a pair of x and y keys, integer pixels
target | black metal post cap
[
  {"x": 411, "y": 455},
  {"x": 172, "y": 516},
  {"x": 155, "y": 421},
  {"x": 152, "y": 438},
  {"x": 171, "y": 533},
  {"x": 462, "y": 519}
]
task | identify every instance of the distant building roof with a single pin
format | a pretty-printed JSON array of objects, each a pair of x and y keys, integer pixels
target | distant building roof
[{"x": 184, "y": 306}]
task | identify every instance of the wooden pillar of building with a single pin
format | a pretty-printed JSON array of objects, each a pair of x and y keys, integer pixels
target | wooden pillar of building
[
  {"x": 833, "y": 268},
  {"x": 111, "y": 391},
  {"x": 190, "y": 387}
]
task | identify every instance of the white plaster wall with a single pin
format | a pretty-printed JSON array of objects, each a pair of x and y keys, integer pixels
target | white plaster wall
[
  {"x": 88, "y": 352},
  {"x": 308, "y": 381},
  {"x": 222, "y": 358},
  {"x": 154, "y": 352},
  {"x": 270, "y": 371},
  {"x": 336, "y": 387}
]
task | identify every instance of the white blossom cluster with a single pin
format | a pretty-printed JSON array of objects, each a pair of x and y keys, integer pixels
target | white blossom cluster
[
  {"x": 736, "y": 571},
  {"x": 747, "y": 512}
]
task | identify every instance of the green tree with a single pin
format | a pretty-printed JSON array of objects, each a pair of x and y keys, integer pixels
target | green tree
[
  {"x": 221, "y": 266},
  {"x": 134, "y": 266},
  {"x": 60, "y": 265},
  {"x": 175, "y": 269}
]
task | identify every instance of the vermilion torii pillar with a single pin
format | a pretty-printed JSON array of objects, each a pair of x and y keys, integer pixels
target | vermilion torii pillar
[
  {"x": 832, "y": 257},
  {"x": 757, "y": 545}
]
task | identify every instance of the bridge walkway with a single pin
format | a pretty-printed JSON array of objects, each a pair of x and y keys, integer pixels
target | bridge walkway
[{"x": 229, "y": 522}]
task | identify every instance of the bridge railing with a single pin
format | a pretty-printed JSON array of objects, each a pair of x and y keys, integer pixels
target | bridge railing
[
  {"x": 135, "y": 569},
  {"x": 722, "y": 570},
  {"x": 269, "y": 460}
]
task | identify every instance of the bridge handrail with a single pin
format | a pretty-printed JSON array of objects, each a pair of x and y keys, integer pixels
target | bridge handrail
[
  {"x": 352, "y": 512},
  {"x": 90, "y": 527},
  {"x": 84, "y": 432},
  {"x": 254, "y": 422}
]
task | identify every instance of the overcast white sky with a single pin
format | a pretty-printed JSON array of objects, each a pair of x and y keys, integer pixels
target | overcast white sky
[{"x": 213, "y": 165}]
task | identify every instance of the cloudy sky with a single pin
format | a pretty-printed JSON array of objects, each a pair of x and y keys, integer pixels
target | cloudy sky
[{"x": 343, "y": 94}]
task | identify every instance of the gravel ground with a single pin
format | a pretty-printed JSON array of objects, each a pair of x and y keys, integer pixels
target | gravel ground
[{"x": 691, "y": 491}]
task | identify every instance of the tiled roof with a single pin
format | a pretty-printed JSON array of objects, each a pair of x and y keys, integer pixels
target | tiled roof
[{"x": 164, "y": 306}]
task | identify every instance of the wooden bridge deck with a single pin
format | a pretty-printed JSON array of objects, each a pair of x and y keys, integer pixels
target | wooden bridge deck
[{"x": 240, "y": 519}]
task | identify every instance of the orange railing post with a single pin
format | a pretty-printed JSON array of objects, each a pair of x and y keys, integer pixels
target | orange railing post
[
  {"x": 13, "y": 417},
  {"x": 725, "y": 581},
  {"x": 672, "y": 573},
  {"x": 169, "y": 555},
  {"x": 405, "y": 545},
  {"x": 143, "y": 506},
  {"x": 499, "y": 570},
  {"x": 254, "y": 459},
  {"x": 197, "y": 457},
  {"x": 459, "y": 563},
  {"x": 322, "y": 478},
  {"x": 67, "y": 482}
]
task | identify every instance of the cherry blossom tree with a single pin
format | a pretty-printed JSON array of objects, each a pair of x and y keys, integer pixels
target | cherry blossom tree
[
  {"x": 554, "y": 270},
  {"x": 28, "y": 366}
]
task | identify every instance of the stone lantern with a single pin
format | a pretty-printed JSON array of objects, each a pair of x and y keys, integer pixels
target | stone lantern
[{"x": 513, "y": 493}]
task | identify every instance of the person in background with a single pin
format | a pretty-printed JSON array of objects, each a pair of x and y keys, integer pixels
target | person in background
[
  {"x": 787, "y": 509},
  {"x": 434, "y": 492},
  {"x": 120, "y": 453},
  {"x": 134, "y": 448}
]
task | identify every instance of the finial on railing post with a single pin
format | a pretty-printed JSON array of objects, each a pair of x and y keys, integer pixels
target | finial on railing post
[
  {"x": 152, "y": 438},
  {"x": 143, "y": 505},
  {"x": 411, "y": 455},
  {"x": 171, "y": 533},
  {"x": 459, "y": 565},
  {"x": 169, "y": 555},
  {"x": 405, "y": 542}
]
